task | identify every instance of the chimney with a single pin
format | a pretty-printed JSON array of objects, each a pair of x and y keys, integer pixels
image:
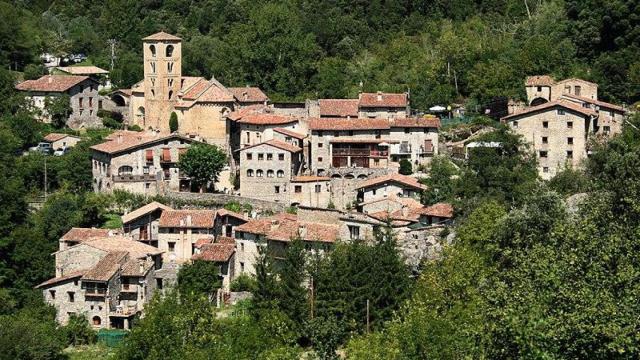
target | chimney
[
  {"x": 141, "y": 264},
  {"x": 302, "y": 230},
  {"x": 379, "y": 95},
  {"x": 405, "y": 211},
  {"x": 119, "y": 138},
  {"x": 188, "y": 220},
  {"x": 274, "y": 224},
  {"x": 50, "y": 79}
]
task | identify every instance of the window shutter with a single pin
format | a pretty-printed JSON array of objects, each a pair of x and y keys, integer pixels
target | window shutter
[
  {"x": 428, "y": 145},
  {"x": 166, "y": 155},
  {"x": 149, "y": 155}
]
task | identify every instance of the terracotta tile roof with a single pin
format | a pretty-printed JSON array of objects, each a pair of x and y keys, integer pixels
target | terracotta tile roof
[
  {"x": 277, "y": 144},
  {"x": 539, "y": 80},
  {"x": 595, "y": 102},
  {"x": 225, "y": 212},
  {"x": 215, "y": 93},
  {"x": 291, "y": 133},
  {"x": 248, "y": 94},
  {"x": 186, "y": 82},
  {"x": 82, "y": 70},
  {"x": 126, "y": 92},
  {"x": 266, "y": 119},
  {"x": 225, "y": 240},
  {"x": 84, "y": 234},
  {"x": 52, "y": 83},
  {"x": 57, "y": 136},
  {"x": 310, "y": 178},
  {"x": 443, "y": 210},
  {"x": 136, "y": 249},
  {"x": 67, "y": 276},
  {"x": 131, "y": 140},
  {"x": 198, "y": 244},
  {"x": 150, "y": 207},
  {"x": 421, "y": 122},
  {"x": 552, "y": 104},
  {"x": 188, "y": 218},
  {"x": 338, "y": 107},
  {"x": 284, "y": 227},
  {"x": 162, "y": 36},
  {"x": 104, "y": 269},
  {"x": 348, "y": 124},
  {"x": 398, "y": 178},
  {"x": 385, "y": 100},
  {"x": 217, "y": 252},
  {"x": 133, "y": 268}
]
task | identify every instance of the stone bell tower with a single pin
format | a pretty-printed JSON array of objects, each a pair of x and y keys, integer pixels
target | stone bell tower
[{"x": 162, "y": 78}]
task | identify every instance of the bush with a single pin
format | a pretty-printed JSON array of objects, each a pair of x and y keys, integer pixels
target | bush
[
  {"x": 78, "y": 332},
  {"x": 405, "y": 167},
  {"x": 135, "y": 128},
  {"x": 243, "y": 282},
  {"x": 111, "y": 123}
]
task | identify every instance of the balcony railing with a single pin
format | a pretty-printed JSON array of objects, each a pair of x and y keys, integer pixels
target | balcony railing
[
  {"x": 95, "y": 292},
  {"x": 359, "y": 152},
  {"x": 401, "y": 149},
  {"x": 133, "y": 178},
  {"x": 124, "y": 311}
]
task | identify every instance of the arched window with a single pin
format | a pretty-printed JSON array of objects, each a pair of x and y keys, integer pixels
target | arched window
[
  {"x": 259, "y": 173},
  {"x": 170, "y": 67},
  {"x": 269, "y": 173},
  {"x": 96, "y": 320},
  {"x": 125, "y": 170},
  {"x": 169, "y": 51},
  {"x": 280, "y": 173},
  {"x": 170, "y": 94},
  {"x": 249, "y": 173},
  {"x": 152, "y": 48}
]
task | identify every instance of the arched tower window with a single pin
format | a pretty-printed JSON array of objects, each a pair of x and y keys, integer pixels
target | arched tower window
[
  {"x": 152, "y": 48},
  {"x": 249, "y": 173},
  {"x": 169, "y": 51},
  {"x": 170, "y": 94}
]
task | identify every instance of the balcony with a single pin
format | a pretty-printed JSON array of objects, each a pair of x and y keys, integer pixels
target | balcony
[
  {"x": 129, "y": 288},
  {"x": 95, "y": 292},
  {"x": 133, "y": 178},
  {"x": 359, "y": 152},
  {"x": 401, "y": 149},
  {"x": 124, "y": 311}
]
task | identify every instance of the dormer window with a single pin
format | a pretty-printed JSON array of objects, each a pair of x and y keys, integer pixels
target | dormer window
[{"x": 152, "y": 48}]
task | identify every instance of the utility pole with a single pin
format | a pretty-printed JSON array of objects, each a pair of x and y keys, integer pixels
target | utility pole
[
  {"x": 367, "y": 316},
  {"x": 45, "y": 179},
  {"x": 112, "y": 43}
]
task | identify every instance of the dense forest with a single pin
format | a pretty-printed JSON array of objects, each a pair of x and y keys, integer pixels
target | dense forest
[
  {"x": 537, "y": 269},
  {"x": 440, "y": 51}
]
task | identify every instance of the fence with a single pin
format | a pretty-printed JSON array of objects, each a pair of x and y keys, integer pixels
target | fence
[{"x": 111, "y": 338}]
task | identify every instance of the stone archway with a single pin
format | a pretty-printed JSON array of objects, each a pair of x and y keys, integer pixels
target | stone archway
[
  {"x": 538, "y": 101},
  {"x": 96, "y": 321}
]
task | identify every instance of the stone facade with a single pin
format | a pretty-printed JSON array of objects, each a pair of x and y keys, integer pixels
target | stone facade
[
  {"x": 312, "y": 191},
  {"x": 541, "y": 89},
  {"x": 139, "y": 163},
  {"x": 180, "y": 230},
  {"x": 61, "y": 141}
]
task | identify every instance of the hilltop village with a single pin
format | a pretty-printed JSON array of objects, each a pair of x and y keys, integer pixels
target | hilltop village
[{"x": 327, "y": 170}]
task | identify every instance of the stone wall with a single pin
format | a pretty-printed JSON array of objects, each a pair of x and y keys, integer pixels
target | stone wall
[{"x": 216, "y": 200}]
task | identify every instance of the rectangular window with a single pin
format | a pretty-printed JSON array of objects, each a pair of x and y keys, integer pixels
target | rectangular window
[
  {"x": 543, "y": 154},
  {"x": 545, "y": 140},
  {"x": 319, "y": 159},
  {"x": 166, "y": 155},
  {"x": 407, "y": 130},
  {"x": 318, "y": 188},
  {"x": 515, "y": 124},
  {"x": 606, "y": 129},
  {"x": 320, "y": 145},
  {"x": 560, "y": 112},
  {"x": 545, "y": 169},
  {"x": 570, "y": 140},
  {"x": 570, "y": 154},
  {"x": 241, "y": 267},
  {"x": 578, "y": 90},
  {"x": 539, "y": 88},
  {"x": 90, "y": 102},
  {"x": 545, "y": 124},
  {"x": 80, "y": 103},
  {"x": 354, "y": 232},
  {"x": 298, "y": 189},
  {"x": 99, "y": 104},
  {"x": 281, "y": 157},
  {"x": 260, "y": 156},
  {"x": 72, "y": 296},
  {"x": 172, "y": 246},
  {"x": 378, "y": 134},
  {"x": 249, "y": 156},
  {"x": 52, "y": 293},
  {"x": 159, "y": 284},
  {"x": 277, "y": 189},
  {"x": 242, "y": 246},
  {"x": 569, "y": 124},
  {"x": 269, "y": 157},
  {"x": 149, "y": 156},
  {"x": 145, "y": 170}
]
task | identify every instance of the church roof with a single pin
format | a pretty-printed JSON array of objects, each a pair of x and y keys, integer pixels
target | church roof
[{"x": 161, "y": 36}]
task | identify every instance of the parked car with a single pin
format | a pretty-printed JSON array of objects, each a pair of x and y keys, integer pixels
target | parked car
[
  {"x": 61, "y": 151},
  {"x": 43, "y": 147}
]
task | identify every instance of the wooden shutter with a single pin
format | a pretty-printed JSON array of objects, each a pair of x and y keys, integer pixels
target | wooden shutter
[
  {"x": 149, "y": 155},
  {"x": 166, "y": 155}
]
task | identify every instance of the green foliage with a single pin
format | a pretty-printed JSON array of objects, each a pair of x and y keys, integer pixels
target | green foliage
[
  {"x": 173, "y": 122},
  {"x": 78, "y": 332},
  {"x": 30, "y": 334},
  {"x": 405, "y": 167},
  {"x": 569, "y": 181},
  {"x": 243, "y": 282},
  {"x": 200, "y": 278},
  {"x": 440, "y": 183},
  {"x": 58, "y": 108},
  {"x": 203, "y": 163},
  {"x": 291, "y": 210},
  {"x": 134, "y": 128},
  {"x": 325, "y": 335}
]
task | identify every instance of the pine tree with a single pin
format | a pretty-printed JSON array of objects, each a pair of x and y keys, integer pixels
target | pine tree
[{"x": 292, "y": 275}]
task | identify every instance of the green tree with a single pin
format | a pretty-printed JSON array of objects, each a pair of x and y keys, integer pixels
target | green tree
[
  {"x": 441, "y": 181},
  {"x": 203, "y": 163},
  {"x": 200, "y": 278},
  {"x": 173, "y": 122},
  {"x": 293, "y": 299},
  {"x": 405, "y": 167},
  {"x": 78, "y": 331},
  {"x": 58, "y": 108}
]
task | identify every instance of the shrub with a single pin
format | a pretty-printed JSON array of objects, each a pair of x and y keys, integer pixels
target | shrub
[
  {"x": 173, "y": 122},
  {"x": 78, "y": 331},
  {"x": 405, "y": 167},
  {"x": 135, "y": 128},
  {"x": 111, "y": 123},
  {"x": 243, "y": 282}
]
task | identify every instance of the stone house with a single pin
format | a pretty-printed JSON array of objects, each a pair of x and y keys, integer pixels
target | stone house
[
  {"x": 274, "y": 233},
  {"x": 543, "y": 88},
  {"x": 383, "y": 105},
  {"x": 108, "y": 280},
  {"x": 77, "y": 235},
  {"x": 258, "y": 128},
  {"x": 61, "y": 141},
  {"x": 82, "y": 91},
  {"x": 138, "y": 162},
  {"x": 249, "y": 96},
  {"x": 222, "y": 252},
  {"x": 385, "y": 187},
  {"x": 310, "y": 190},
  {"x": 336, "y": 108},
  {"x": 226, "y": 221},
  {"x": 143, "y": 224},
  {"x": 267, "y": 169},
  {"x": 180, "y": 230},
  {"x": 559, "y": 133},
  {"x": 98, "y": 74}
]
